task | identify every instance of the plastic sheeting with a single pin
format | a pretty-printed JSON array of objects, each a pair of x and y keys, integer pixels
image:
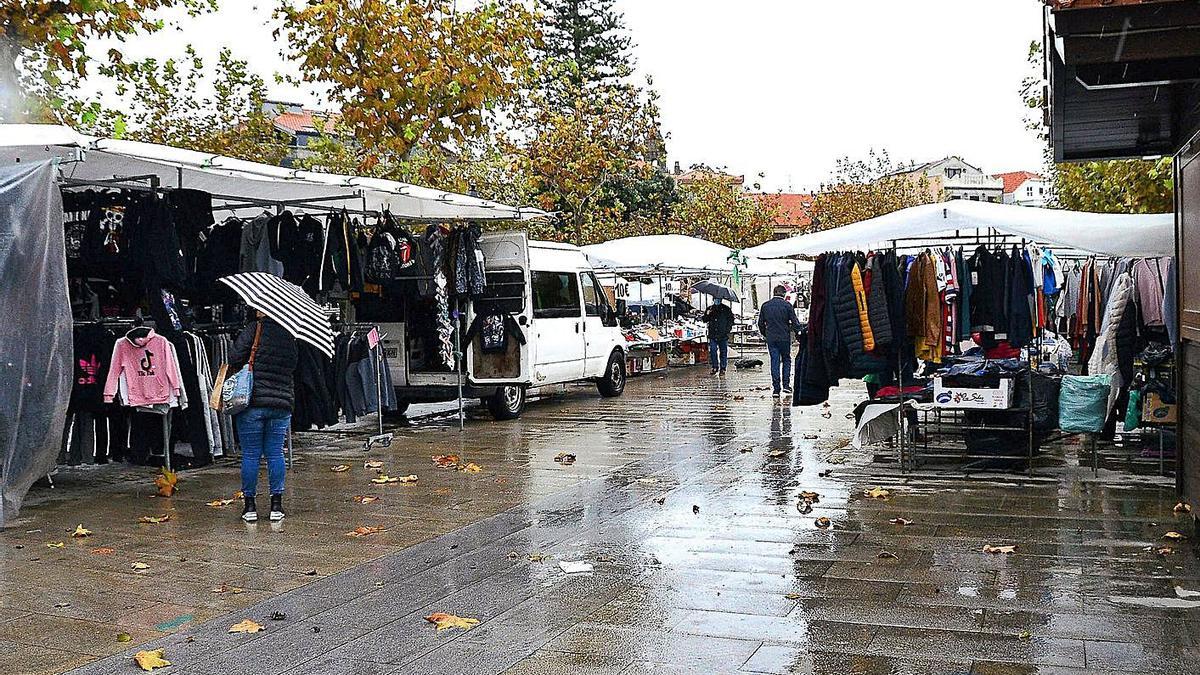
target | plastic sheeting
[
  {"x": 35, "y": 334},
  {"x": 677, "y": 253},
  {"x": 1110, "y": 234}
]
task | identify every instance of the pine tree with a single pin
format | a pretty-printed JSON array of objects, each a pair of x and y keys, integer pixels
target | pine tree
[{"x": 588, "y": 37}]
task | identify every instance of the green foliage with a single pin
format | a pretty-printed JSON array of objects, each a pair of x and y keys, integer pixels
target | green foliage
[
  {"x": 721, "y": 211},
  {"x": 866, "y": 188},
  {"x": 588, "y": 38}
]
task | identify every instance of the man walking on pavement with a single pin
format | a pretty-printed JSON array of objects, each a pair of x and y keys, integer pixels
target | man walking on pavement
[
  {"x": 719, "y": 318},
  {"x": 777, "y": 322}
]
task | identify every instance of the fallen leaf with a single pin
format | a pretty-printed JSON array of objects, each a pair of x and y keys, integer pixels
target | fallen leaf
[
  {"x": 1174, "y": 536},
  {"x": 103, "y": 550},
  {"x": 877, "y": 493},
  {"x": 887, "y": 555},
  {"x": 1165, "y": 551},
  {"x": 278, "y": 616},
  {"x": 139, "y": 566},
  {"x": 792, "y": 596},
  {"x": 444, "y": 621},
  {"x": 822, "y": 522},
  {"x": 310, "y": 573},
  {"x": 246, "y": 626},
  {"x": 809, "y": 496},
  {"x": 1024, "y": 635},
  {"x": 825, "y": 474},
  {"x": 365, "y": 499},
  {"x": 61, "y": 605},
  {"x": 996, "y": 550},
  {"x": 1183, "y": 508},
  {"x": 384, "y": 479},
  {"x": 660, "y": 500},
  {"x": 165, "y": 482},
  {"x": 81, "y": 531},
  {"x": 695, "y": 508},
  {"x": 536, "y": 557},
  {"x": 373, "y": 465},
  {"x": 151, "y": 659},
  {"x": 411, "y": 478},
  {"x": 900, "y": 521},
  {"x": 55, "y": 544},
  {"x": 513, "y": 555},
  {"x": 124, "y": 637},
  {"x": 746, "y": 449},
  {"x": 445, "y": 461},
  {"x": 340, "y": 468},
  {"x": 219, "y": 503},
  {"x": 364, "y": 531},
  {"x": 239, "y": 495},
  {"x": 155, "y": 519},
  {"x": 470, "y": 467},
  {"x": 226, "y": 588},
  {"x": 804, "y": 506},
  {"x": 776, "y": 453},
  {"x": 564, "y": 458},
  {"x": 739, "y": 398}
]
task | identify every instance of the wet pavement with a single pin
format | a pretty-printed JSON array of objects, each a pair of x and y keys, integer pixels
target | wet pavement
[{"x": 685, "y": 499}]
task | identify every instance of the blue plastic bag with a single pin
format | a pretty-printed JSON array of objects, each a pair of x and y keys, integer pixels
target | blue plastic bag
[{"x": 1083, "y": 403}]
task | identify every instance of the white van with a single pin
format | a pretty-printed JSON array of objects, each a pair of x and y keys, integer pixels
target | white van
[{"x": 551, "y": 324}]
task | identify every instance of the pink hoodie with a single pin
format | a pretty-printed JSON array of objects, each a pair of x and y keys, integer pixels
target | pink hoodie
[{"x": 150, "y": 369}]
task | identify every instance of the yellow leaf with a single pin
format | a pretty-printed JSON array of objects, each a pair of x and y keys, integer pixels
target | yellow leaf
[
  {"x": 363, "y": 531},
  {"x": 365, "y": 499},
  {"x": 340, "y": 468},
  {"x": 219, "y": 503},
  {"x": 822, "y": 522},
  {"x": 55, "y": 544},
  {"x": 988, "y": 548},
  {"x": 383, "y": 479},
  {"x": 373, "y": 465},
  {"x": 811, "y": 497},
  {"x": 792, "y": 596},
  {"x": 165, "y": 481},
  {"x": 155, "y": 519},
  {"x": 246, "y": 626},
  {"x": 470, "y": 467},
  {"x": 444, "y": 621},
  {"x": 226, "y": 588},
  {"x": 900, "y": 521},
  {"x": 103, "y": 550},
  {"x": 124, "y": 637},
  {"x": 81, "y": 531},
  {"x": 877, "y": 493},
  {"x": 1174, "y": 536},
  {"x": 445, "y": 461},
  {"x": 139, "y": 566},
  {"x": 411, "y": 478},
  {"x": 151, "y": 659}
]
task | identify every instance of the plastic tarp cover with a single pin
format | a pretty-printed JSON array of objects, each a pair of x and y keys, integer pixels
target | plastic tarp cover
[
  {"x": 35, "y": 331},
  {"x": 1083, "y": 403}
]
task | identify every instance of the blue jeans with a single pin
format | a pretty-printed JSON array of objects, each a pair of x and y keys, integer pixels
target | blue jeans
[
  {"x": 718, "y": 353},
  {"x": 781, "y": 359},
  {"x": 263, "y": 431}
]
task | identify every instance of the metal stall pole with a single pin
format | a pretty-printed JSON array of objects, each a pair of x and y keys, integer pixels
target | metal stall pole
[
  {"x": 380, "y": 438},
  {"x": 458, "y": 365}
]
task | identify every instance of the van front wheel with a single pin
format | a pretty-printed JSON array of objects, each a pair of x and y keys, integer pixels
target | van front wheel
[
  {"x": 507, "y": 403},
  {"x": 613, "y": 382}
]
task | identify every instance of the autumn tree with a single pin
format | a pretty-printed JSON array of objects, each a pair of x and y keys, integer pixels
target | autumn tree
[
  {"x": 45, "y": 45},
  {"x": 721, "y": 211},
  {"x": 865, "y": 188},
  {"x": 589, "y": 38},
  {"x": 1114, "y": 186},
  {"x": 414, "y": 73}
]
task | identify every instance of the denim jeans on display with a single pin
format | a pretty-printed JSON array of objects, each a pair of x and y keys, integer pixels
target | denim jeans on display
[
  {"x": 262, "y": 432},
  {"x": 781, "y": 360}
]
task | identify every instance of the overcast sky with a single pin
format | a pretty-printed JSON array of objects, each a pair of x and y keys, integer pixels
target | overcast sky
[{"x": 785, "y": 87}]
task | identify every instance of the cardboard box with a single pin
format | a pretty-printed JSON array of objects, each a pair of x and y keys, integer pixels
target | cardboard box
[
  {"x": 975, "y": 399},
  {"x": 1157, "y": 412}
]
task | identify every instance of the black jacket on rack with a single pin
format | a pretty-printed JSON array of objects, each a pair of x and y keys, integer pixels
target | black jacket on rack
[
  {"x": 274, "y": 364},
  {"x": 315, "y": 401}
]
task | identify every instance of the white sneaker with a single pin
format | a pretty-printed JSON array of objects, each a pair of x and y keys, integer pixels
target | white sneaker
[
  {"x": 250, "y": 516},
  {"x": 276, "y": 508}
]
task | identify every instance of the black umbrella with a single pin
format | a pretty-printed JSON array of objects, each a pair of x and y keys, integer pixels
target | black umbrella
[{"x": 716, "y": 290}]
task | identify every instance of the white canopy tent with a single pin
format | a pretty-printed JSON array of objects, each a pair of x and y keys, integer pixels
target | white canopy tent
[
  {"x": 681, "y": 254},
  {"x": 89, "y": 158},
  {"x": 1110, "y": 234}
]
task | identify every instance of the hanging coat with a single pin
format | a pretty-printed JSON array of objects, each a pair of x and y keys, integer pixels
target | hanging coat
[
  {"x": 877, "y": 306},
  {"x": 860, "y": 304}
]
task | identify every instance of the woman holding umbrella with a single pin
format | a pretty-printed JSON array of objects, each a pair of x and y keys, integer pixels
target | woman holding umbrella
[
  {"x": 268, "y": 346},
  {"x": 262, "y": 428}
]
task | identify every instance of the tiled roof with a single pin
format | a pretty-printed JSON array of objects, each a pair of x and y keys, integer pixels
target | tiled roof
[
  {"x": 697, "y": 174},
  {"x": 793, "y": 208},
  {"x": 1014, "y": 179},
  {"x": 304, "y": 121}
]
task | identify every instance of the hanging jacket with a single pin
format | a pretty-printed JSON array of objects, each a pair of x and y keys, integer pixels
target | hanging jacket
[
  {"x": 860, "y": 303},
  {"x": 1149, "y": 281},
  {"x": 150, "y": 369},
  {"x": 255, "y": 255},
  {"x": 877, "y": 306},
  {"x": 845, "y": 310},
  {"x": 298, "y": 244},
  {"x": 922, "y": 308},
  {"x": 274, "y": 364},
  {"x": 1116, "y": 340},
  {"x": 1020, "y": 299}
]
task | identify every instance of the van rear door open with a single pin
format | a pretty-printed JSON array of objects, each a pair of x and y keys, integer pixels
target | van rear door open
[{"x": 502, "y": 313}]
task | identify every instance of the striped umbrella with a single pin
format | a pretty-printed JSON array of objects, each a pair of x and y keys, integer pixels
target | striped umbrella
[{"x": 287, "y": 304}]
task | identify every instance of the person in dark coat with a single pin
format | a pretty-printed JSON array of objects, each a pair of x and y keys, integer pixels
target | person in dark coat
[
  {"x": 778, "y": 323},
  {"x": 719, "y": 319},
  {"x": 262, "y": 428}
]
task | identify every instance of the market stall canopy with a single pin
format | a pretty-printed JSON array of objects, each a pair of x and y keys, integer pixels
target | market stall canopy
[
  {"x": 231, "y": 180},
  {"x": 679, "y": 254},
  {"x": 1109, "y": 234}
]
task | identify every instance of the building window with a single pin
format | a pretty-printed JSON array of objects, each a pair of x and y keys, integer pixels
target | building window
[{"x": 953, "y": 173}]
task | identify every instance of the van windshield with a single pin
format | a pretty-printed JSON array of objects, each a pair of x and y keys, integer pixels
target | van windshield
[{"x": 555, "y": 295}]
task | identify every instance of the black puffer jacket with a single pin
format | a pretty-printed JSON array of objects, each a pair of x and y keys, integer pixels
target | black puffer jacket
[
  {"x": 274, "y": 364},
  {"x": 877, "y": 307},
  {"x": 845, "y": 309}
]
